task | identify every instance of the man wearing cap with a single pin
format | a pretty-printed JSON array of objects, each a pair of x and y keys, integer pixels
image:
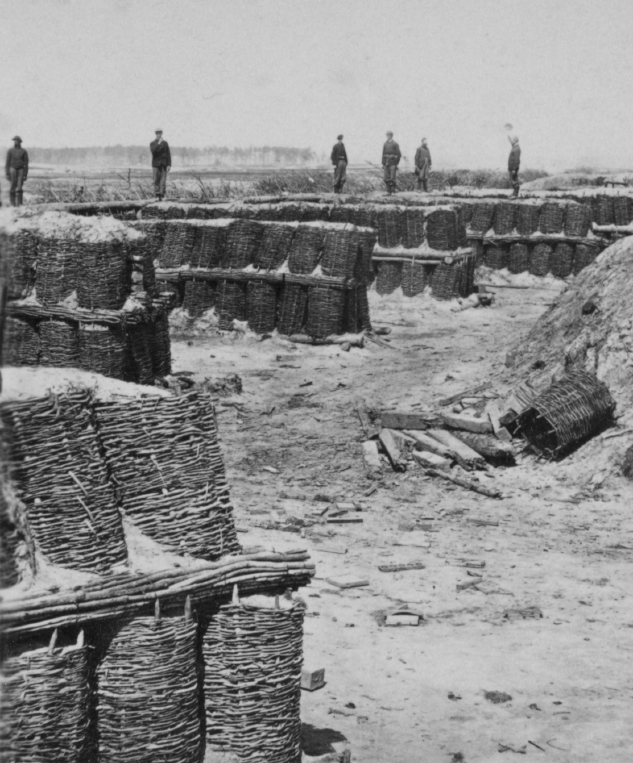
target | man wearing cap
[
  {"x": 390, "y": 159},
  {"x": 514, "y": 161},
  {"x": 161, "y": 163},
  {"x": 423, "y": 165},
  {"x": 339, "y": 160},
  {"x": 17, "y": 170}
]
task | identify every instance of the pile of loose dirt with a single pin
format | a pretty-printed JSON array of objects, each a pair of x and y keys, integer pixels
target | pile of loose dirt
[{"x": 590, "y": 326}]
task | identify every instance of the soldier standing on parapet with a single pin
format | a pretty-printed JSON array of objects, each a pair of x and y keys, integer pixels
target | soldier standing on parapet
[
  {"x": 423, "y": 165},
  {"x": 17, "y": 170},
  {"x": 390, "y": 159},
  {"x": 339, "y": 160},
  {"x": 514, "y": 161},
  {"x": 161, "y": 163}
]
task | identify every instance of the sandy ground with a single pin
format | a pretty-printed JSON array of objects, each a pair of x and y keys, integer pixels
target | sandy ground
[{"x": 563, "y": 543}]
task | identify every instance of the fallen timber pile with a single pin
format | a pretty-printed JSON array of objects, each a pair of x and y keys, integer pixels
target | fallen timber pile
[
  {"x": 83, "y": 294},
  {"x": 127, "y": 593}
]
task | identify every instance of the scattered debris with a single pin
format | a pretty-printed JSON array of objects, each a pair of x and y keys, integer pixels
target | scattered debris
[
  {"x": 465, "y": 483},
  {"x": 392, "y": 420},
  {"x": 538, "y": 746},
  {"x": 311, "y": 680},
  {"x": 469, "y": 584},
  {"x": 401, "y": 567},
  {"x": 489, "y": 447},
  {"x": 483, "y": 522},
  {"x": 403, "y": 616},
  {"x": 306, "y": 384},
  {"x": 372, "y": 460},
  {"x": 466, "y": 393},
  {"x": 270, "y": 469},
  {"x": 466, "y": 457},
  {"x": 509, "y": 748},
  {"x": 431, "y": 460},
  {"x": 472, "y": 563},
  {"x": 627, "y": 466},
  {"x": 453, "y": 696},
  {"x": 347, "y": 582},
  {"x": 467, "y": 422},
  {"x": 526, "y": 613},
  {"x": 341, "y": 520},
  {"x": 497, "y": 697},
  {"x": 424, "y": 442},
  {"x": 382, "y": 331},
  {"x": 393, "y": 451}
]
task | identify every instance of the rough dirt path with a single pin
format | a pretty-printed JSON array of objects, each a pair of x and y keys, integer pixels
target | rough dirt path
[{"x": 563, "y": 543}]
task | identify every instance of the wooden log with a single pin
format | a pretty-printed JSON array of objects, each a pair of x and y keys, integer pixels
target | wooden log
[
  {"x": 424, "y": 442},
  {"x": 354, "y": 340},
  {"x": 465, "y": 483},
  {"x": 393, "y": 451},
  {"x": 488, "y": 446},
  {"x": 465, "y": 456},
  {"x": 432, "y": 460},
  {"x": 370, "y": 427},
  {"x": 372, "y": 459},
  {"x": 494, "y": 414},
  {"x": 466, "y": 393},
  {"x": 466, "y": 423},
  {"x": 417, "y": 421}
]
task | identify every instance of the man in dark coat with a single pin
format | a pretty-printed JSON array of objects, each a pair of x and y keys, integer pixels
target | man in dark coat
[
  {"x": 339, "y": 160},
  {"x": 390, "y": 159},
  {"x": 514, "y": 161},
  {"x": 423, "y": 165},
  {"x": 16, "y": 170},
  {"x": 161, "y": 163}
]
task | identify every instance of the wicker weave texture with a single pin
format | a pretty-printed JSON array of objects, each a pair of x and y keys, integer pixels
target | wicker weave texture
[
  {"x": 56, "y": 270},
  {"x": 209, "y": 247},
  {"x": 306, "y": 249},
  {"x": 59, "y": 343},
  {"x": 552, "y": 217},
  {"x": 482, "y": 217},
  {"x": 519, "y": 259},
  {"x": 178, "y": 245},
  {"x": 200, "y": 296},
  {"x": 102, "y": 349},
  {"x": 340, "y": 253},
  {"x": 261, "y": 306},
  {"x": 242, "y": 242},
  {"x": 21, "y": 342},
  {"x": 415, "y": 278},
  {"x": 275, "y": 247},
  {"x": 389, "y": 277},
  {"x": 540, "y": 260},
  {"x": 102, "y": 276},
  {"x": 583, "y": 255},
  {"x": 441, "y": 229},
  {"x": 496, "y": 256},
  {"x": 577, "y": 220},
  {"x": 527, "y": 219},
  {"x": 230, "y": 303},
  {"x": 292, "y": 309},
  {"x": 562, "y": 260},
  {"x": 505, "y": 217},
  {"x": 326, "y": 306}
]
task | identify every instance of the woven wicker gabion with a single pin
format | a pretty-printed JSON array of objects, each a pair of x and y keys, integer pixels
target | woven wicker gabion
[
  {"x": 306, "y": 249},
  {"x": 584, "y": 255},
  {"x": 160, "y": 345},
  {"x": 59, "y": 343},
  {"x": 341, "y": 213},
  {"x": 568, "y": 413},
  {"x": 44, "y": 705},
  {"x": 496, "y": 257},
  {"x": 138, "y": 359},
  {"x": 441, "y": 229},
  {"x": 326, "y": 305},
  {"x": 552, "y": 217},
  {"x": 340, "y": 253},
  {"x": 562, "y": 260},
  {"x": 173, "y": 290},
  {"x": 478, "y": 251},
  {"x": 102, "y": 276},
  {"x": 102, "y": 349},
  {"x": 71, "y": 512},
  {"x": 275, "y": 247},
  {"x": 21, "y": 342},
  {"x": 164, "y": 455},
  {"x": 389, "y": 223},
  {"x": 603, "y": 210},
  {"x": 253, "y": 657},
  {"x": 505, "y": 217},
  {"x": 362, "y": 216},
  {"x": 242, "y": 241},
  {"x": 540, "y": 260},
  {"x": 462, "y": 235},
  {"x": 148, "y": 701},
  {"x": 142, "y": 254},
  {"x": 622, "y": 210},
  {"x": 177, "y": 245},
  {"x": 261, "y": 306},
  {"x": 230, "y": 303},
  {"x": 20, "y": 251},
  {"x": 56, "y": 270},
  {"x": 156, "y": 230},
  {"x": 482, "y": 217},
  {"x": 519, "y": 259},
  {"x": 446, "y": 281},
  {"x": 199, "y": 297},
  {"x": 292, "y": 309},
  {"x": 527, "y": 219},
  {"x": 577, "y": 220},
  {"x": 413, "y": 234},
  {"x": 415, "y": 278},
  {"x": 467, "y": 280},
  {"x": 389, "y": 277},
  {"x": 467, "y": 213},
  {"x": 209, "y": 247}
]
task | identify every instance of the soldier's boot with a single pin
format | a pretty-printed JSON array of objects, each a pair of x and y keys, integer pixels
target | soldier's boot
[
  {"x": 18, "y": 198},
  {"x": 12, "y": 199},
  {"x": 425, "y": 183}
]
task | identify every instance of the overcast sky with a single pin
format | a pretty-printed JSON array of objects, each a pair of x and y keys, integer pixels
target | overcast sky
[{"x": 297, "y": 72}]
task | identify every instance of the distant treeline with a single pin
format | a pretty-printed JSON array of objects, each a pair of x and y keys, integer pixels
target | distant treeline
[{"x": 128, "y": 156}]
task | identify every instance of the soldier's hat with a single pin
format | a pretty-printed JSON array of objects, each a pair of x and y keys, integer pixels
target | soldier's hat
[
  {"x": 339, "y": 137},
  {"x": 158, "y": 131},
  {"x": 389, "y": 133},
  {"x": 18, "y": 138}
]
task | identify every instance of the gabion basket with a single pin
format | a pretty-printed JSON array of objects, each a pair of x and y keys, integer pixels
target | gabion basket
[
  {"x": 441, "y": 229},
  {"x": 415, "y": 278},
  {"x": 482, "y": 217},
  {"x": 253, "y": 657},
  {"x": 389, "y": 277},
  {"x": 209, "y": 248},
  {"x": 340, "y": 253},
  {"x": 242, "y": 242},
  {"x": 292, "y": 310},
  {"x": 102, "y": 276},
  {"x": 622, "y": 210},
  {"x": 603, "y": 210},
  {"x": 230, "y": 303},
  {"x": 71, "y": 515},
  {"x": 200, "y": 296},
  {"x": 56, "y": 276},
  {"x": 275, "y": 247},
  {"x": 562, "y": 260},
  {"x": 496, "y": 257},
  {"x": 569, "y": 412},
  {"x": 44, "y": 704},
  {"x": 527, "y": 219},
  {"x": 305, "y": 249},
  {"x": 505, "y": 216},
  {"x": 540, "y": 260},
  {"x": 21, "y": 342},
  {"x": 584, "y": 255},
  {"x": 59, "y": 343},
  {"x": 102, "y": 349},
  {"x": 389, "y": 224},
  {"x": 138, "y": 359},
  {"x": 577, "y": 220},
  {"x": 552, "y": 217},
  {"x": 147, "y": 690},
  {"x": 325, "y": 311},
  {"x": 446, "y": 280},
  {"x": 519, "y": 260},
  {"x": 414, "y": 219},
  {"x": 177, "y": 245},
  {"x": 20, "y": 251},
  {"x": 261, "y": 306},
  {"x": 160, "y": 345}
]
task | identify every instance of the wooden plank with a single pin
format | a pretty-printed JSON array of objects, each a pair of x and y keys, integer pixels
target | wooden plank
[
  {"x": 467, "y": 423},
  {"x": 475, "y": 487},
  {"x": 393, "y": 451},
  {"x": 432, "y": 460},
  {"x": 424, "y": 442},
  {"x": 494, "y": 414},
  {"x": 466, "y": 393},
  {"x": 488, "y": 446},
  {"x": 393, "y": 420},
  {"x": 465, "y": 456},
  {"x": 371, "y": 457},
  {"x": 370, "y": 427}
]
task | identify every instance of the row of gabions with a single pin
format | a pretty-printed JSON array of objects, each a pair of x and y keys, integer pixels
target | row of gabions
[
  {"x": 159, "y": 688},
  {"x": 445, "y": 280},
  {"x": 78, "y": 464},
  {"x": 561, "y": 260},
  {"x": 137, "y": 352}
]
